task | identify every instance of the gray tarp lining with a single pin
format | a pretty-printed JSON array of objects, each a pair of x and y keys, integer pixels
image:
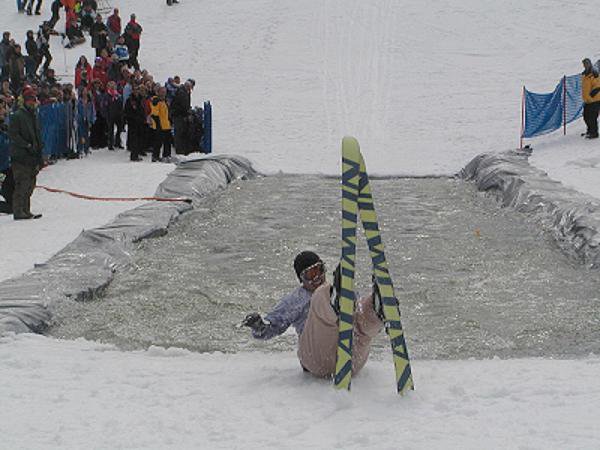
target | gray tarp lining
[
  {"x": 571, "y": 217},
  {"x": 85, "y": 267}
]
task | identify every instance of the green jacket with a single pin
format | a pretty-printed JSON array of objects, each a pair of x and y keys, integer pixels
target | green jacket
[{"x": 25, "y": 137}]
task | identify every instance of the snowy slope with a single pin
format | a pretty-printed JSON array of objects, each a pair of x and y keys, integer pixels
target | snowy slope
[{"x": 73, "y": 395}]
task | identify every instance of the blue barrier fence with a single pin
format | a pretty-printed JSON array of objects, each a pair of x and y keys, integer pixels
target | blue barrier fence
[
  {"x": 544, "y": 113},
  {"x": 54, "y": 120},
  {"x": 4, "y": 152},
  {"x": 206, "y": 142},
  {"x": 58, "y": 134}
]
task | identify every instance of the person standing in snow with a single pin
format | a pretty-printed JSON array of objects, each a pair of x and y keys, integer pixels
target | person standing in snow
[
  {"x": 133, "y": 32},
  {"x": 54, "y": 8},
  {"x": 32, "y": 59},
  {"x": 114, "y": 26},
  {"x": 136, "y": 118},
  {"x": 114, "y": 115},
  {"x": 313, "y": 310},
  {"x": 590, "y": 91},
  {"x": 26, "y": 154},
  {"x": 180, "y": 111},
  {"x": 5, "y": 53},
  {"x": 159, "y": 115},
  {"x": 99, "y": 34},
  {"x": 29, "y": 8}
]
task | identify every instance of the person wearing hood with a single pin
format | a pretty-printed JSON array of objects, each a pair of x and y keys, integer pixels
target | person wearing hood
[
  {"x": 313, "y": 310},
  {"x": 590, "y": 91},
  {"x": 26, "y": 147},
  {"x": 54, "y": 8},
  {"x": 33, "y": 57}
]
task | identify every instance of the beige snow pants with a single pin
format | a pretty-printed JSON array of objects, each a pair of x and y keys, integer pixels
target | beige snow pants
[{"x": 317, "y": 349}]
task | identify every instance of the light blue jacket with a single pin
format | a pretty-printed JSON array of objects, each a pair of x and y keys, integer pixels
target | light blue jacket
[{"x": 291, "y": 310}]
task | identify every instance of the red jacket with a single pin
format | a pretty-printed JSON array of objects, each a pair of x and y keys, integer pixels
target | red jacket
[
  {"x": 79, "y": 69},
  {"x": 100, "y": 74},
  {"x": 114, "y": 24}
]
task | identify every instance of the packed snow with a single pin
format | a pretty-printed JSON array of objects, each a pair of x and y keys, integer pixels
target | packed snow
[{"x": 424, "y": 87}]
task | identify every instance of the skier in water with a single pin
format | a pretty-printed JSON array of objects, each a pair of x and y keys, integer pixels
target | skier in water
[{"x": 313, "y": 309}]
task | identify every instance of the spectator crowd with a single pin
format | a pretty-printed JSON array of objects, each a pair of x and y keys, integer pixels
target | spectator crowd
[{"x": 107, "y": 96}]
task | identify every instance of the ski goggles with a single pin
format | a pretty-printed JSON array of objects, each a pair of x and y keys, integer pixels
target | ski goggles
[{"x": 313, "y": 272}]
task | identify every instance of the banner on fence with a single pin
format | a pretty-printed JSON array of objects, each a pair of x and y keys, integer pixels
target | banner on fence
[
  {"x": 206, "y": 142},
  {"x": 544, "y": 113},
  {"x": 54, "y": 121},
  {"x": 4, "y": 152}
]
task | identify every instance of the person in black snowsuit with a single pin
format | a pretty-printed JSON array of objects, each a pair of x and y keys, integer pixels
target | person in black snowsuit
[
  {"x": 180, "y": 111},
  {"x": 114, "y": 115},
  {"x": 136, "y": 119},
  {"x": 99, "y": 33},
  {"x": 32, "y": 60},
  {"x": 55, "y": 8}
]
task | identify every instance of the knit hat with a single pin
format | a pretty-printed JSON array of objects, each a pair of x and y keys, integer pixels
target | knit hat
[{"x": 304, "y": 260}]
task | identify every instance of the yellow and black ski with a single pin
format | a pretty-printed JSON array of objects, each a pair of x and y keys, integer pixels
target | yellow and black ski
[{"x": 358, "y": 200}]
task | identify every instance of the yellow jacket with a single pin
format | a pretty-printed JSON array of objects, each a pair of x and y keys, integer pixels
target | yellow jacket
[
  {"x": 590, "y": 82},
  {"x": 159, "y": 112}
]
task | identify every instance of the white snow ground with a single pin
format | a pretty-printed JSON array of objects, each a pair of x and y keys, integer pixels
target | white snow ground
[{"x": 424, "y": 87}]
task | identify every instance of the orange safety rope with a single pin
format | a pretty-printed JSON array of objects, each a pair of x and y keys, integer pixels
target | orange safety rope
[{"x": 115, "y": 199}]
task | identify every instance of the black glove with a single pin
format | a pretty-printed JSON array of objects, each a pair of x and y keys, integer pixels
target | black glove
[
  {"x": 335, "y": 290},
  {"x": 255, "y": 322},
  {"x": 377, "y": 304}
]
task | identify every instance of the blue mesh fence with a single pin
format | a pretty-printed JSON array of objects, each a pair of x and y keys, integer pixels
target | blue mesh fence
[
  {"x": 206, "y": 142},
  {"x": 545, "y": 113},
  {"x": 53, "y": 121},
  {"x": 4, "y": 152}
]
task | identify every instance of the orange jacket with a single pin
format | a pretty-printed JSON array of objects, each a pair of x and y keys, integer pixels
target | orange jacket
[
  {"x": 159, "y": 112},
  {"x": 70, "y": 4},
  {"x": 589, "y": 83}
]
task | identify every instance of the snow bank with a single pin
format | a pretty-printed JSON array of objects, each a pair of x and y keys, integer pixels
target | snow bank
[
  {"x": 80, "y": 394},
  {"x": 85, "y": 267},
  {"x": 573, "y": 218}
]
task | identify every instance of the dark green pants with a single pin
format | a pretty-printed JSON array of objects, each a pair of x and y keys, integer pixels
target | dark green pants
[{"x": 25, "y": 179}]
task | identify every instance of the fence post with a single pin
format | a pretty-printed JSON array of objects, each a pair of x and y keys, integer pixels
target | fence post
[
  {"x": 564, "y": 105},
  {"x": 522, "y": 118}
]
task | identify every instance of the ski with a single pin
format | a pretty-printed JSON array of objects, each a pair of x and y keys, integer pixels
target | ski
[{"x": 357, "y": 201}]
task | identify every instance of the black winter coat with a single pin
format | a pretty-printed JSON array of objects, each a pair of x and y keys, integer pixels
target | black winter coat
[{"x": 182, "y": 103}]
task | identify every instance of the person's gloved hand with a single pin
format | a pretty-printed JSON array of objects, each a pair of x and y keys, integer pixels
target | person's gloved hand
[
  {"x": 377, "y": 304},
  {"x": 255, "y": 322}
]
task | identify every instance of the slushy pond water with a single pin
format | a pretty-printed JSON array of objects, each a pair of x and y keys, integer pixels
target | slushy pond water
[{"x": 473, "y": 279}]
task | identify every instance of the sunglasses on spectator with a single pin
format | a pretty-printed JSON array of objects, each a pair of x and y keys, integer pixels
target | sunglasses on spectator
[{"x": 313, "y": 272}]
